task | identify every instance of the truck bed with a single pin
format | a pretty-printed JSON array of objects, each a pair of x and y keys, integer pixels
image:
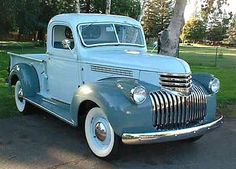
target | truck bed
[
  {"x": 36, "y": 60},
  {"x": 32, "y": 57}
]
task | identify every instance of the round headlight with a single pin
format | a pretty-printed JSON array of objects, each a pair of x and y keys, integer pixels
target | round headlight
[
  {"x": 138, "y": 94},
  {"x": 214, "y": 85}
]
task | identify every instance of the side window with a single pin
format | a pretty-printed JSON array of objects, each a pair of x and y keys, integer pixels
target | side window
[{"x": 60, "y": 33}]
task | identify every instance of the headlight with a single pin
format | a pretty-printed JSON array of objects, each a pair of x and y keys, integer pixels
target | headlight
[
  {"x": 214, "y": 85},
  {"x": 138, "y": 94}
]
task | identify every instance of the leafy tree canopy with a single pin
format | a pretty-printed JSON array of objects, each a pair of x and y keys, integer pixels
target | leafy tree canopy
[
  {"x": 157, "y": 16},
  {"x": 194, "y": 30}
]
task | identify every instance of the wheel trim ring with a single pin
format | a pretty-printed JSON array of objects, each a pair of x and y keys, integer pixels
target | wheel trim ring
[
  {"x": 98, "y": 152},
  {"x": 20, "y": 104}
]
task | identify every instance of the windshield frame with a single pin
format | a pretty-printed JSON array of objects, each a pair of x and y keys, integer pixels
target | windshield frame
[{"x": 113, "y": 25}]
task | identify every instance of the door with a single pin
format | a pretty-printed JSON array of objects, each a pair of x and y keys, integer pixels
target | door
[{"x": 62, "y": 66}]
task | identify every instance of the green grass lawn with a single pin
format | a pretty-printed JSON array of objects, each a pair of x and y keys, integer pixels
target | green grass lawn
[{"x": 200, "y": 58}]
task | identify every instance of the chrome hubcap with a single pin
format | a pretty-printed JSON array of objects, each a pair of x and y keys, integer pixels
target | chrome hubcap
[
  {"x": 100, "y": 131},
  {"x": 20, "y": 95}
]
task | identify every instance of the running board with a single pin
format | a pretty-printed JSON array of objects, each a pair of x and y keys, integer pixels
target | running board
[{"x": 56, "y": 108}]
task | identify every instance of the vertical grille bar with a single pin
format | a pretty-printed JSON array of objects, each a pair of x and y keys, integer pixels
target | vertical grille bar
[
  {"x": 199, "y": 104},
  {"x": 154, "y": 109},
  {"x": 179, "y": 109},
  {"x": 171, "y": 108},
  {"x": 183, "y": 109},
  {"x": 194, "y": 105},
  {"x": 166, "y": 107},
  {"x": 158, "y": 110},
  {"x": 190, "y": 107},
  {"x": 162, "y": 108},
  {"x": 172, "y": 111},
  {"x": 175, "y": 109}
]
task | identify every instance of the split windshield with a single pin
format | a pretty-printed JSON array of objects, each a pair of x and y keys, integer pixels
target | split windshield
[{"x": 110, "y": 34}]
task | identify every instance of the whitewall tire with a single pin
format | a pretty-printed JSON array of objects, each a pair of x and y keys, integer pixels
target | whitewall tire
[
  {"x": 100, "y": 135},
  {"x": 21, "y": 104}
]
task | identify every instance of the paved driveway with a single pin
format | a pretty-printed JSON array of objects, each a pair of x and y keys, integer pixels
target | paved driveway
[{"x": 42, "y": 141}]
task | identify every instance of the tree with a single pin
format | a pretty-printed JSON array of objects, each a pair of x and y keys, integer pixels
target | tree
[
  {"x": 208, "y": 7},
  {"x": 194, "y": 30},
  {"x": 77, "y": 3},
  {"x": 218, "y": 26},
  {"x": 27, "y": 13},
  {"x": 119, "y": 7},
  {"x": 7, "y": 16},
  {"x": 129, "y": 8},
  {"x": 142, "y": 6},
  {"x": 157, "y": 16},
  {"x": 108, "y": 6},
  {"x": 231, "y": 32},
  {"x": 170, "y": 37}
]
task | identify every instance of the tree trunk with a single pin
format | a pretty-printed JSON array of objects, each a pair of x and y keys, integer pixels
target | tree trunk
[
  {"x": 77, "y": 3},
  {"x": 142, "y": 5},
  {"x": 108, "y": 6},
  {"x": 88, "y": 2},
  {"x": 170, "y": 36}
]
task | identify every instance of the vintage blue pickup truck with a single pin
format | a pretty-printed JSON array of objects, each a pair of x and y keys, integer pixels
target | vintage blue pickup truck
[{"x": 97, "y": 72}]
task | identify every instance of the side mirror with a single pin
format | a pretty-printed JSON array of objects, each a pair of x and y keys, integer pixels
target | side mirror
[{"x": 66, "y": 43}]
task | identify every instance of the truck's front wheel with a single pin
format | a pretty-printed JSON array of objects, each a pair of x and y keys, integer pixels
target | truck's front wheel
[
  {"x": 22, "y": 105},
  {"x": 100, "y": 135}
]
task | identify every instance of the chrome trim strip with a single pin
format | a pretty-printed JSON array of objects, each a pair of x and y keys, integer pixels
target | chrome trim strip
[
  {"x": 157, "y": 137},
  {"x": 174, "y": 84},
  {"x": 171, "y": 79},
  {"x": 176, "y": 74}
]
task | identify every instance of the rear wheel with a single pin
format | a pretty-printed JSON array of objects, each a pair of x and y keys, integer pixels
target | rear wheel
[
  {"x": 102, "y": 140},
  {"x": 22, "y": 105}
]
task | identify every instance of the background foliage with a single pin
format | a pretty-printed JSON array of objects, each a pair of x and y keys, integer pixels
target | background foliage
[{"x": 30, "y": 17}]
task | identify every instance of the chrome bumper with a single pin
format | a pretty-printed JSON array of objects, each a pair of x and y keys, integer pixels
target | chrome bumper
[{"x": 157, "y": 137}]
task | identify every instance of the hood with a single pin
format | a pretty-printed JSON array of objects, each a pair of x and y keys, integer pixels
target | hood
[{"x": 138, "y": 60}]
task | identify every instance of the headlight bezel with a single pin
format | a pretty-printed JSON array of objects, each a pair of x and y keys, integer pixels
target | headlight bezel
[
  {"x": 214, "y": 85},
  {"x": 134, "y": 94}
]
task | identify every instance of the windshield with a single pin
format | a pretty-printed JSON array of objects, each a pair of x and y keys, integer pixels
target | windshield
[{"x": 110, "y": 34}]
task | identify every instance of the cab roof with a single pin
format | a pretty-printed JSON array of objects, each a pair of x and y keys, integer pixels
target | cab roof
[{"x": 79, "y": 18}]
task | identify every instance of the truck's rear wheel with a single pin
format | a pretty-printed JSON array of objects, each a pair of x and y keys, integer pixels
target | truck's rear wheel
[
  {"x": 22, "y": 105},
  {"x": 100, "y": 135}
]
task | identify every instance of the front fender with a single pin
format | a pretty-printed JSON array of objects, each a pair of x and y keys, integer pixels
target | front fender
[
  {"x": 204, "y": 79},
  {"x": 112, "y": 95},
  {"x": 28, "y": 77}
]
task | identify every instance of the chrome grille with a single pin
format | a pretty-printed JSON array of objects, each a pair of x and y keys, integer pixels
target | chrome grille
[
  {"x": 181, "y": 83},
  {"x": 112, "y": 70},
  {"x": 171, "y": 111}
]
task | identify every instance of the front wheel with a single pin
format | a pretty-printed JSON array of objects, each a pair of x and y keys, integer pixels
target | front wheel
[
  {"x": 100, "y": 135},
  {"x": 22, "y": 105}
]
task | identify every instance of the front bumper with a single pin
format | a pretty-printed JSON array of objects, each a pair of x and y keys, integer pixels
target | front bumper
[{"x": 157, "y": 137}]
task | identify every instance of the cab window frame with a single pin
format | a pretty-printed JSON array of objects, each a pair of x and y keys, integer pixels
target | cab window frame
[{"x": 53, "y": 36}]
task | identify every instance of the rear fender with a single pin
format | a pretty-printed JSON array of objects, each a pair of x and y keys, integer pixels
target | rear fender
[{"x": 28, "y": 77}]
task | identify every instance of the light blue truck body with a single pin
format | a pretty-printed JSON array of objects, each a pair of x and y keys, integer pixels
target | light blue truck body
[{"x": 67, "y": 83}]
